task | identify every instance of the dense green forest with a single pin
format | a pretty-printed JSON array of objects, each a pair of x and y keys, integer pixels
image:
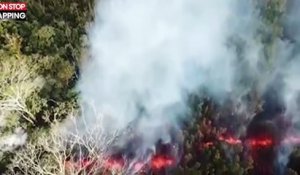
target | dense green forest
[{"x": 39, "y": 66}]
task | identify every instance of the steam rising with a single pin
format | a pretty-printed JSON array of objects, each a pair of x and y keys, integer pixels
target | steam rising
[{"x": 147, "y": 56}]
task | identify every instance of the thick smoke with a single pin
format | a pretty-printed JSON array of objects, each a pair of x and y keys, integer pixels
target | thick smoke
[
  {"x": 292, "y": 69},
  {"x": 289, "y": 68},
  {"x": 147, "y": 56}
]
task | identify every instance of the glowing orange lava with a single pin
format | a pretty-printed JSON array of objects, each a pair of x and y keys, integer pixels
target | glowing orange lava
[
  {"x": 161, "y": 161},
  {"x": 261, "y": 142},
  {"x": 157, "y": 162},
  {"x": 230, "y": 140}
]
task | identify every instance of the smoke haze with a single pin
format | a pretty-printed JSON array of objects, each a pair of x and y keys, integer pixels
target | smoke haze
[{"x": 147, "y": 56}]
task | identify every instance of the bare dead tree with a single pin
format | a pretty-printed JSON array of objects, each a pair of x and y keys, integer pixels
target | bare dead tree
[
  {"x": 18, "y": 80},
  {"x": 73, "y": 149}
]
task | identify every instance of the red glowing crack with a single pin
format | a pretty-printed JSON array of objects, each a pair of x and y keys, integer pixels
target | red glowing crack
[
  {"x": 230, "y": 140},
  {"x": 261, "y": 143}
]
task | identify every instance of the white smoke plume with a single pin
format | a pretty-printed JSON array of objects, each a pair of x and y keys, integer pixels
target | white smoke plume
[
  {"x": 146, "y": 56},
  {"x": 289, "y": 68},
  {"x": 11, "y": 142}
]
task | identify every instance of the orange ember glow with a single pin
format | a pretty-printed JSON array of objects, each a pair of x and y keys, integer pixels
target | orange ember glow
[
  {"x": 230, "y": 140},
  {"x": 256, "y": 142},
  {"x": 261, "y": 142},
  {"x": 157, "y": 162},
  {"x": 160, "y": 162}
]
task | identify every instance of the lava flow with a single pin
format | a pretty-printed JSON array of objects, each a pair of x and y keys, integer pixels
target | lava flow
[
  {"x": 230, "y": 140},
  {"x": 261, "y": 142},
  {"x": 157, "y": 162},
  {"x": 258, "y": 142},
  {"x": 161, "y": 161}
]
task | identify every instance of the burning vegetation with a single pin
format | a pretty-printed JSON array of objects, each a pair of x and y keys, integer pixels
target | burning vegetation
[
  {"x": 256, "y": 151},
  {"x": 123, "y": 159}
]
